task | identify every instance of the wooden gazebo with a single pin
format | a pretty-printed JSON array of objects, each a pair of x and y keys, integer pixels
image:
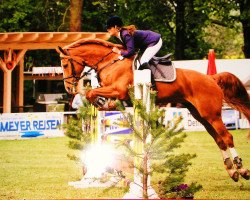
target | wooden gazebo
[{"x": 14, "y": 47}]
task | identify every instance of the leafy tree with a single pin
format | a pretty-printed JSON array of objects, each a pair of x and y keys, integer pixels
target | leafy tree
[
  {"x": 230, "y": 14},
  {"x": 18, "y": 15},
  {"x": 186, "y": 26},
  {"x": 189, "y": 42},
  {"x": 15, "y": 15},
  {"x": 227, "y": 42},
  {"x": 181, "y": 34}
]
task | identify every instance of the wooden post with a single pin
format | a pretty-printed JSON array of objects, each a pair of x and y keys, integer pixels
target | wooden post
[
  {"x": 20, "y": 91},
  {"x": 7, "y": 92},
  {"x": 8, "y": 64}
]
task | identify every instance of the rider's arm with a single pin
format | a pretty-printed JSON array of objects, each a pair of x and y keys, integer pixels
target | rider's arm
[{"x": 129, "y": 45}]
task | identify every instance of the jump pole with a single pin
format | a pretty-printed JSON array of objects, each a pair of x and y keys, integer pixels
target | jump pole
[{"x": 142, "y": 79}]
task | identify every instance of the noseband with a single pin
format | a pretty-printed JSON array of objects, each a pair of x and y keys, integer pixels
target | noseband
[{"x": 73, "y": 75}]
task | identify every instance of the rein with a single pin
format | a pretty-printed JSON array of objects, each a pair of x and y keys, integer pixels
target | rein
[{"x": 95, "y": 67}]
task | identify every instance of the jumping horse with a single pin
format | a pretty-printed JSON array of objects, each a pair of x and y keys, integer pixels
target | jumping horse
[{"x": 202, "y": 94}]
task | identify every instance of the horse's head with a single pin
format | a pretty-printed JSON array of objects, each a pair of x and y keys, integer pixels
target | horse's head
[
  {"x": 74, "y": 57},
  {"x": 72, "y": 66}
]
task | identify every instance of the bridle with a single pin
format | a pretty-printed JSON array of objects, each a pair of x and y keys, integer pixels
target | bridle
[{"x": 83, "y": 64}]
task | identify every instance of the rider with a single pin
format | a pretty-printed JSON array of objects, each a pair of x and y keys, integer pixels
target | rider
[{"x": 147, "y": 41}]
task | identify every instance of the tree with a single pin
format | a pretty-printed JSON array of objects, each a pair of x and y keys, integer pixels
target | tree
[
  {"x": 178, "y": 22},
  {"x": 182, "y": 24},
  {"x": 228, "y": 14},
  {"x": 245, "y": 20},
  {"x": 180, "y": 30},
  {"x": 18, "y": 15},
  {"x": 75, "y": 15}
]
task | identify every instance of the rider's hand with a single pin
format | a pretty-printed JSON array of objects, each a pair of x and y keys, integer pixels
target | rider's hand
[
  {"x": 120, "y": 57},
  {"x": 116, "y": 50}
]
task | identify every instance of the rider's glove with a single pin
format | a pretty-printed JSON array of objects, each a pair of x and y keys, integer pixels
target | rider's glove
[{"x": 120, "y": 57}]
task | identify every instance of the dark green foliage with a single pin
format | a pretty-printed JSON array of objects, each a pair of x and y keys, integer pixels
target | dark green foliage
[
  {"x": 32, "y": 15},
  {"x": 160, "y": 16}
]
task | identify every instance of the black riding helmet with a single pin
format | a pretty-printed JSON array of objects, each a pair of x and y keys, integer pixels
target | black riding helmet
[{"x": 114, "y": 21}]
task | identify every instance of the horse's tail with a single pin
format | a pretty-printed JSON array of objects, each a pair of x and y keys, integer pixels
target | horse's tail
[{"x": 235, "y": 94}]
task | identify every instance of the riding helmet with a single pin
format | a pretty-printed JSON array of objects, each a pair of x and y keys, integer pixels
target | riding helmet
[{"x": 114, "y": 21}]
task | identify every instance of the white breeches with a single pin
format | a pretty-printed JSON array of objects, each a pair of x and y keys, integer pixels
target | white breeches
[{"x": 150, "y": 52}]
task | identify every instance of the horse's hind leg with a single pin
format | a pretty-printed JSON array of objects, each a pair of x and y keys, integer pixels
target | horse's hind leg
[
  {"x": 245, "y": 173},
  {"x": 228, "y": 139},
  {"x": 222, "y": 138}
]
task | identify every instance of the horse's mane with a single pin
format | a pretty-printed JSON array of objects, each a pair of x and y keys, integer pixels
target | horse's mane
[{"x": 92, "y": 41}]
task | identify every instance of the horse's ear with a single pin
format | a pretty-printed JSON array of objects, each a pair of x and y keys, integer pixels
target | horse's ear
[{"x": 60, "y": 50}]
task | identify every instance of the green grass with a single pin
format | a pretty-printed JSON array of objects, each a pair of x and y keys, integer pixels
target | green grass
[
  {"x": 40, "y": 169},
  {"x": 208, "y": 169}
]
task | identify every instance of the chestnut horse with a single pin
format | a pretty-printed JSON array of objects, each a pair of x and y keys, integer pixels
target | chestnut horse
[{"x": 202, "y": 94}]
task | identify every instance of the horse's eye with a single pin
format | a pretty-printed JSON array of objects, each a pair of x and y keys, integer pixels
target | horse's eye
[{"x": 64, "y": 65}]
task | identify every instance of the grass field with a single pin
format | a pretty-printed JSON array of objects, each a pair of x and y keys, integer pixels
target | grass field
[{"x": 40, "y": 169}]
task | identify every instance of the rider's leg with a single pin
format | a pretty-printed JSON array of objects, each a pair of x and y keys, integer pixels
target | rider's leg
[
  {"x": 146, "y": 66},
  {"x": 150, "y": 52}
]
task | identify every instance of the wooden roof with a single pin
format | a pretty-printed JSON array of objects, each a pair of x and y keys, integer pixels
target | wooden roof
[{"x": 44, "y": 40}]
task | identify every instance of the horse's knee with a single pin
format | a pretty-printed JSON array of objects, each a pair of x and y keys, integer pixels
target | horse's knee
[
  {"x": 227, "y": 138},
  {"x": 220, "y": 142},
  {"x": 90, "y": 96},
  {"x": 123, "y": 95}
]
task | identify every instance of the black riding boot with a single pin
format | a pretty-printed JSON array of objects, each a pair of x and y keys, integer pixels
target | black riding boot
[{"x": 146, "y": 66}]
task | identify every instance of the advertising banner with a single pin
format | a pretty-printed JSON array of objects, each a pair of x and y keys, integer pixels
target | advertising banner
[
  {"x": 28, "y": 125},
  {"x": 114, "y": 123},
  {"x": 189, "y": 123}
]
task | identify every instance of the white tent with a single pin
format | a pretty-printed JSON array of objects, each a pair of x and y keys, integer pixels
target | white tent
[{"x": 238, "y": 67}]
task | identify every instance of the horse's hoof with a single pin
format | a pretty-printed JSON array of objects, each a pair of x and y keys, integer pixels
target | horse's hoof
[
  {"x": 235, "y": 176},
  {"x": 228, "y": 163},
  {"x": 245, "y": 173},
  {"x": 238, "y": 162}
]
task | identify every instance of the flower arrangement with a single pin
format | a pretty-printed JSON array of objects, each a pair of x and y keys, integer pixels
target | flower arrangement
[{"x": 183, "y": 191}]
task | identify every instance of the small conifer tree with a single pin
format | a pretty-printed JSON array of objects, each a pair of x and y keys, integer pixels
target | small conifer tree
[{"x": 158, "y": 155}]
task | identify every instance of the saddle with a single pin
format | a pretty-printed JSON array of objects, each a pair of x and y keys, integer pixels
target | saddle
[
  {"x": 162, "y": 68},
  {"x": 164, "y": 60}
]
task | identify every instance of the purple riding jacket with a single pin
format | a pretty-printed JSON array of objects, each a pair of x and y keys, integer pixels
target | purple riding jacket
[{"x": 140, "y": 40}]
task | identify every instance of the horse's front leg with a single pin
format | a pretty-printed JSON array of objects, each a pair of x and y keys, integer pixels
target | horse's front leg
[{"x": 106, "y": 92}]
